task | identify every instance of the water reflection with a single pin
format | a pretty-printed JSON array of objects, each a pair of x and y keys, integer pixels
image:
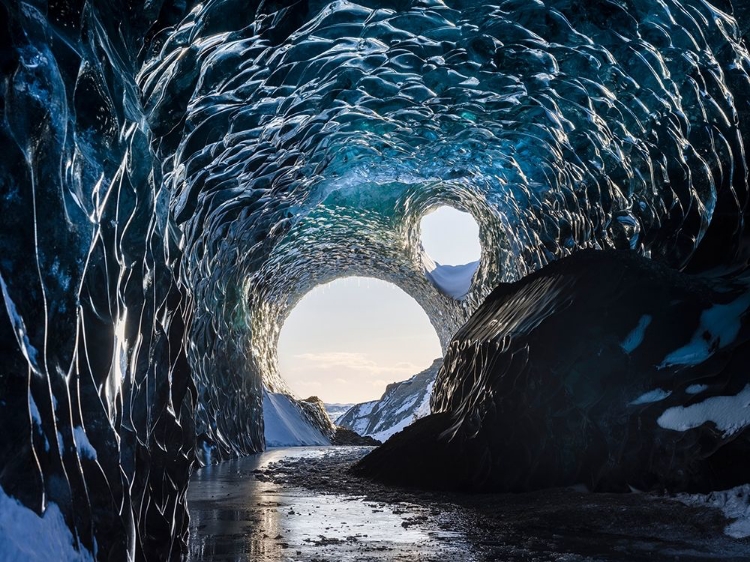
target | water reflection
[{"x": 235, "y": 516}]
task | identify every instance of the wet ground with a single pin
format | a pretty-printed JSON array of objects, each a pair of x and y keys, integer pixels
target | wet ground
[
  {"x": 238, "y": 513},
  {"x": 302, "y": 505}
]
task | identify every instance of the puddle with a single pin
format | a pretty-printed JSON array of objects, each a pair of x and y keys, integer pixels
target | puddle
[{"x": 237, "y": 515}]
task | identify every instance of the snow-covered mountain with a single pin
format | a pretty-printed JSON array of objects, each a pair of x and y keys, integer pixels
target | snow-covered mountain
[
  {"x": 401, "y": 404},
  {"x": 335, "y": 411}
]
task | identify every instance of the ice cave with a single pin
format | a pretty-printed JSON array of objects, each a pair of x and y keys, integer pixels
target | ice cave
[{"x": 175, "y": 175}]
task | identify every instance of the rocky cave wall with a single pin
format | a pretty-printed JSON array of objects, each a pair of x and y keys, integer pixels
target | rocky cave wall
[{"x": 175, "y": 177}]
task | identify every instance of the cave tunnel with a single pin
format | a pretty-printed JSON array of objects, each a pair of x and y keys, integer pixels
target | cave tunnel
[{"x": 175, "y": 176}]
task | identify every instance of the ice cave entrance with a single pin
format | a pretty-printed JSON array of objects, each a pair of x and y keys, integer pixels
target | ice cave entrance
[
  {"x": 347, "y": 339},
  {"x": 450, "y": 240}
]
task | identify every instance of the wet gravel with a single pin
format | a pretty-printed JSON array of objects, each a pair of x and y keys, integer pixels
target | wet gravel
[
  {"x": 241, "y": 511},
  {"x": 561, "y": 525}
]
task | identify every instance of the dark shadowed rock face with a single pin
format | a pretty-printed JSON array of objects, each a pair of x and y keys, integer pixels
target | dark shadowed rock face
[
  {"x": 603, "y": 368},
  {"x": 345, "y": 436}
]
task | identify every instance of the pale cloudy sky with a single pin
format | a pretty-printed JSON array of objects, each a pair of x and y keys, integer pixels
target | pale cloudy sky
[{"x": 346, "y": 340}]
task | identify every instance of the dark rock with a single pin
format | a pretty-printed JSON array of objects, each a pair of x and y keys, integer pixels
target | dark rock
[
  {"x": 316, "y": 413},
  {"x": 592, "y": 370},
  {"x": 345, "y": 436}
]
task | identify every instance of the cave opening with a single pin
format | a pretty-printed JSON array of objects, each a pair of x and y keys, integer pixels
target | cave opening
[
  {"x": 347, "y": 339},
  {"x": 451, "y": 249}
]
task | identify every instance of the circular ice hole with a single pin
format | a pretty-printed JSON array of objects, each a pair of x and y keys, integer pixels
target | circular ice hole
[
  {"x": 346, "y": 340},
  {"x": 450, "y": 236},
  {"x": 450, "y": 239}
]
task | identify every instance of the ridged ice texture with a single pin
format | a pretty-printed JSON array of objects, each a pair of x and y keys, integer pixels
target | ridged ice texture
[
  {"x": 306, "y": 150},
  {"x": 173, "y": 182}
]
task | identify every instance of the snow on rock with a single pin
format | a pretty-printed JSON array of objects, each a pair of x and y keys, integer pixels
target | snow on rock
[
  {"x": 285, "y": 424},
  {"x": 718, "y": 327},
  {"x": 635, "y": 338},
  {"x": 735, "y": 504},
  {"x": 656, "y": 395},
  {"x": 729, "y": 413},
  {"x": 536, "y": 389},
  {"x": 85, "y": 449},
  {"x": 453, "y": 280},
  {"x": 696, "y": 388},
  {"x": 27, "y": 537},
  {"x": 402, "y": 403}
]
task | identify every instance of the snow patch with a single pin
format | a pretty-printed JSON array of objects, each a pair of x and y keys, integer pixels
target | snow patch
[
  {"x": 28, "y": 350},
  {"x": 408, "y": 405},
  {"x": 424, "y": 408},
  {"x": 718, "y": 327},
  {"x": 656, "y": 395},
  {"x": 392, "y": 430},
  {"x": 35, "y": 415},
  {"x": 85, "y": 449},
  {"x": 635, "y": 337},
  {"x": 696, "y": 388},
  {"x": 26, "y": 537},
  {"x": 286, "y": 425},
  {"x": 730, "y": 414},
  {"x": 452, "y": 280},
  {"x": 361, "y": 414},
  {"x": 735, "y": 504},
  {"x": 401, "y": 405}
]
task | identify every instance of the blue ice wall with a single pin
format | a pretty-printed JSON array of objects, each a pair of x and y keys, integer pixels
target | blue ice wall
[{"x": 176, "y": 176}]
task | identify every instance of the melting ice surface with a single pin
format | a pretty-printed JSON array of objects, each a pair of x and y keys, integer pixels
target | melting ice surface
[{"x": 234, "y": 515}]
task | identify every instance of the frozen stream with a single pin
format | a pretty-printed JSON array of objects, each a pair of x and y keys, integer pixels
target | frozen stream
[{"x": 237, "y": 514}]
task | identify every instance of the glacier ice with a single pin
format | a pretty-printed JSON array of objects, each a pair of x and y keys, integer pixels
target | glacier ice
[
  {"x": 285, "y": 424},
  {"x": 176, "y": 175}
]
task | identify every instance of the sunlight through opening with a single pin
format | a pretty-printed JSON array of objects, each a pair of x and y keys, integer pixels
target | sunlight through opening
[
  {"x": 450, "y": 236},
  {"x": 346, "y": 340},
  {"x": 450, "y": 239}
]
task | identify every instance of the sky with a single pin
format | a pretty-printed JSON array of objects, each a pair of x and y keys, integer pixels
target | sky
[
  {"x": 450, "y": 237},
  {"x": 346, "y": 340}
]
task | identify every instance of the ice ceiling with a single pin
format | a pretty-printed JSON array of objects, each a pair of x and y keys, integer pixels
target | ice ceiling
[{"x": 174, "y": 178}]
